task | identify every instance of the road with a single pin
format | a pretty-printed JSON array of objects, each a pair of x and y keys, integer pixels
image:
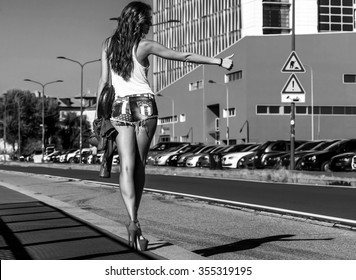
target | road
[
  {"x": 330, "y": 201},
  {"x": 209, "y": 230}
]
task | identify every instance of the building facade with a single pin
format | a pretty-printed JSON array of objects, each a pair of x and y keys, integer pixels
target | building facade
[{"x": 208, "y": 104}]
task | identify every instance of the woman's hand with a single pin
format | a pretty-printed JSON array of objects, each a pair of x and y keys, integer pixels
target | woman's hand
[{"x": 227, "y": 62}]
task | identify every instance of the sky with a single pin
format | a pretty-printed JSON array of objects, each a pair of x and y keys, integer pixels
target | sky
[{"x": 34, "y": 32}]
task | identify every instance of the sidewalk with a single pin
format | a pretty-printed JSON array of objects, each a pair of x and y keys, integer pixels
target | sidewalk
[
  {"x": 34, "y": 226},
  {"x": 32, "y": 229}
]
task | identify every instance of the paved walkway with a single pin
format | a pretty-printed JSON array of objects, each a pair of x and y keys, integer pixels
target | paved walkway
[{"x": 31, "y": 229}]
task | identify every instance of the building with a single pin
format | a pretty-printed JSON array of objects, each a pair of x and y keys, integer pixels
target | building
[{"x": 246, "y": 103}]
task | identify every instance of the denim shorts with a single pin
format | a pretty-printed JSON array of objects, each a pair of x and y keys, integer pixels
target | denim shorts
[{"x": 133, "y": 110}]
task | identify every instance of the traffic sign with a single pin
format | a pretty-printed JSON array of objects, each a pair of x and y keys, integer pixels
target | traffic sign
[
  {"x": 293, "y": 64},
  {"x": 293, "y": 90}
]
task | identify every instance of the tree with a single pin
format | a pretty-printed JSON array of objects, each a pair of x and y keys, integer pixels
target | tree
[
  {"x": 69, "y": 133},
  {"x": 22, "y": 120}
]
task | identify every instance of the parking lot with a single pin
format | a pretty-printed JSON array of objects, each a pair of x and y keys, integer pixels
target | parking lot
[{"x": 336, "y": 155}]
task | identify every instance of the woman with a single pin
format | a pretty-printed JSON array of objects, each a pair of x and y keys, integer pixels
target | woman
[{"x": 134, "y": 113}]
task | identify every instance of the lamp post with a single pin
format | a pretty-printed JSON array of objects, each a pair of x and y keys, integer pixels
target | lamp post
[
  {"x": 227, "y": 110},
  {"x": 43, "y": 113},
  {"x": 247, "y": 130},
  {"x": 4, "y": 124},
  {"x": 81, "y": 99},
  {"x": 173, "y": 132},
  {"x": 311, "y": 100}
]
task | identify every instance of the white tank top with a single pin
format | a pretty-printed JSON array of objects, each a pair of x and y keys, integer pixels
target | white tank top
[{"x": 137, "y": 84}]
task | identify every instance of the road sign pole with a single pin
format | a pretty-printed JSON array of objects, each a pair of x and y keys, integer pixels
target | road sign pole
[
  {"x": 292, "y": 135},
  {"x": 292, "y": 105}
]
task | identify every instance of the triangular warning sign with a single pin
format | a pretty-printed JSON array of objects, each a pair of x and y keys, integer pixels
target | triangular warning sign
[
  {"x": 293, "y": 64},
  {"x": 293, "y": 86}
]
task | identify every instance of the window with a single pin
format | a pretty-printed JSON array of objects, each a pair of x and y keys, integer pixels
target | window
[
  {"x": 276, "y": 17},
  {"x": 305, "y": 110},
  {"x": 349, "y": 78},
  {"x": 274, "y": 109},
  {"x": 335, "y": 15},
  {"x": 167, "y": 120},
  {"x": 231, "y": 112},
  {"x": 261, "y": 109},
  {"x": 233, "y": 76},
  {"x": 301, "y": 110},
  {"x": 182, "y": 118},
  {"x": 196, "y": 85}
]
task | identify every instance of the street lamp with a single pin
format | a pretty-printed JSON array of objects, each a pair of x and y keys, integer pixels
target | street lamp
[
  {"x": 4, "y": 124},
  {"x": 43, "y": 100},
  {"x": 81, "y": 99},
  {"x": 311, "y": 100},
  {"x": 227, "y": 110},
  {"x": 247, "y": 130},
  {"x": 161, "y": 95}
]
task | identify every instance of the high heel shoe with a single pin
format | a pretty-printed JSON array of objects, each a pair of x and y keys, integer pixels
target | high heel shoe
[
  {"x": 142, "y": 242},
  {"x": 132, "y": 231}
]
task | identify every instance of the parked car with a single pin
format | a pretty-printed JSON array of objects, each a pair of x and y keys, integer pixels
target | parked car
[
  {"x": 343, "y": 162},
  {"x": 182, "y": 159},
  {"x": 214, "y": 159},
  {"x": 270, "y": 148},
  {"x": 320, "y": 160},
  {"x": 309, "y": 147},
  {"x": 173, "y": 159},
  {"x": 161, "y": 158},
  {"x": 86, "y": 152},
  {"x": 247, "y": 161},
  {"x": 64, "y": 156},
  {"x": 230, "y": 160},
  {"x": 160, "y": 148},
  {"x": 192, "y": 161},
  {"x": 56, "y": 159},
  {"x": 50, "y": 157}
]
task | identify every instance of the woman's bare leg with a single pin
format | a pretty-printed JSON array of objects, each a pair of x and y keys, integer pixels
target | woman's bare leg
[
  {"x": 144, "y": 137},
  {"x": 126, "y": 145}
]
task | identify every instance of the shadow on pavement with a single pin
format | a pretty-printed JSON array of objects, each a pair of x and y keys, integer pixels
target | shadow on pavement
[
  {"x": 31, "y": 229},
  {"x": 247, "y": 244}
]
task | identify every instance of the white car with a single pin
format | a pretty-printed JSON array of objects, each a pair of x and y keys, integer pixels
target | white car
[
  {"x": 193, "y": 160},
  {"x": 161, "y": 159},
  {"x": 231, "y": 160}
]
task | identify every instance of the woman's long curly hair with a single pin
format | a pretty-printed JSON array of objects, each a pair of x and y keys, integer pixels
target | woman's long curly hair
[{"x": 128, "y": 34}]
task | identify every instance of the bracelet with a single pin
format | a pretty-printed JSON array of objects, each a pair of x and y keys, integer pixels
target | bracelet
[{"x": 221, "y": 62}]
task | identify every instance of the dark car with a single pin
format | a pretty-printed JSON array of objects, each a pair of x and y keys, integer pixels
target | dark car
[
  {"x": 320, "y": 160},
  {"x": 343, "y": 162},
  {"x": 213, "y": 160},
  {"x": 161, "y": 148},
  {"x": 283, "y": 161},
  {"x": 172, "y": 160},
  {"x": 271, "y": 148}
]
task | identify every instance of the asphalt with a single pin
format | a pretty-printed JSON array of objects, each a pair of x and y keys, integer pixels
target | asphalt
[
  {"x": 37, "y": 227},
  {"x": 34, "y": 226}
]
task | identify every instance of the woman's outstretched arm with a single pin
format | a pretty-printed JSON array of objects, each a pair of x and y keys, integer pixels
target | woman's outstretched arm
[{"x": 147, "y": 47}]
